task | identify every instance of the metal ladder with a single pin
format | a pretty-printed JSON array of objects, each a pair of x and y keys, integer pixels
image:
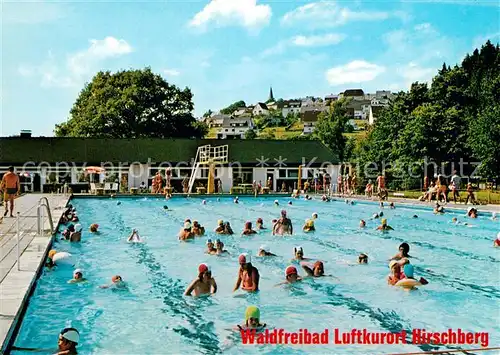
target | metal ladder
[{"x": 44, "y": 202}]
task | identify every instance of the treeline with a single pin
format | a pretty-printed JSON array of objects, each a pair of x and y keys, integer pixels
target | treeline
[{"x": 456, "y": 118}]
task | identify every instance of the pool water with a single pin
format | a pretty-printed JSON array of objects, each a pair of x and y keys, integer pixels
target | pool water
[{"x": 153, "y": 317}]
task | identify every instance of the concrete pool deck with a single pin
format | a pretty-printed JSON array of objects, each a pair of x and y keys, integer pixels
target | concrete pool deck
[{"x": 15, "y": 284}]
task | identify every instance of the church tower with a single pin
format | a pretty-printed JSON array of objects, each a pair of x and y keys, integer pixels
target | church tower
[{"x": 271, "y": 96}]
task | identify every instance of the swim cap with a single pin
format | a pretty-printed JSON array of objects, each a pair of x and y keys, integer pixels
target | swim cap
[
  {"x": 203, "y": 268},
  {"x": 252, "y": 312},
  {"x": 381, "y": 214},
  {"x": 245, "y": 258},
  {"x": 283, "y": 213},
  {"x": 297, "y": 249},
  {"x": 276, "y": 201},
  {"x": 77, "y": 271},
  {"x": 408, "y": 270},
  {"x": 264, "y": 247},
  {"x": 187, "y": 225},
  {"x": 384, "y": 221},
  {"x": 71, "y": 334},
  {"x": 392, "y": 264},
  {"x": 209, "y": 241},
  {"x": 469, "y": 209},
  {"x": 220, "y": 222},
  {"x": 217, "y": 241},
  {"x": 259, "y": 220},
  {"x": 318, "y": 263},
  {"x": 78, "y": 227},
  {"x": 52, "y": 253},
  {"x": 375, "y": 215},
  {"x": 290, "y": 270},
  {"x": 116, "y": 278},
  {"x": 314, "y": 215},
  {"x": 493, "y": 215}
]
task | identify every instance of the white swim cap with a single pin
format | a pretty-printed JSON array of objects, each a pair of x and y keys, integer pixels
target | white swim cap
[
  {"x": 299, "y": 248},
  {"x": 275, "y": 201},
  {"x": 493, "y": 214},
  {"x": 498, "y": 236},
  {"x": 78, "y": 227},
  {"x": 264, "y": 248},
  {"x": 71, "y": 334},
  {"x": 469, "y": 209},
  {"x": 77, "y": 271}
]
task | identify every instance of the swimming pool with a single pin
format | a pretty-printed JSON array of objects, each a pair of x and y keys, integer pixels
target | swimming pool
[{"x": 153, "y": 317}]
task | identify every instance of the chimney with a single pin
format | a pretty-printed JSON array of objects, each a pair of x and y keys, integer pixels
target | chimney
[{"x": 25, "y": 133}]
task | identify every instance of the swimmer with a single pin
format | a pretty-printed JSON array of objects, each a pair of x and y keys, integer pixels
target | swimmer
[
  {"x": 197, "y": 229},
  {"x": 236, "y": 199},
  {"x": 210, "y": 247},
  {"x": 204, "y": 202},
  {"x": 68, "y": 340},
  {"x": 362, "y": 224},
  {"x": 283, "y": 225},
  {"x": 265, "y": 251},
  {"x": 116, "y": 282},
  {"x": 392, "y": 206},
  {"x": 396, "y": 273},
  {"x": 260, "y": 224},
  {"x": 276, "y": 203},
  {"x": 248, "y": 229},
  {"x": 309, "y": 226},
  {"x": 50, "y": 263},
  {"x": 93, "y": 228},
  {"x": 248, "y": 275},
  {"x": 315, "y": 270},
  {"x": 496, "y": 243},
  {"x": 220, "y": 227},
  {"x": 290, "y": 203},
  {"x": 472, "y": 212},
  {"x": 493, "y": 216},
  {"x": 381, "y": 204},
  {"x": 384, "y": 226},
  {"x": 252, "y": 320},
  {"x": 219, "y": 247},
  {"x": 307, "y": 197},
  {"x": 351, "y": 203},
  {"x": 204, "y": 284},
  {"x": 165, "y": 207},
  {"x": 186, "y": 232},
  {"x": 77, "y": 277},
  {"x": 414, "y": 216},
  {"x": 404, "y": 249},
  {"x": 298, "y": 253},
  {"x": 118, "y": 203},
  {"x": 291, "y": 275},
  {"x": 67, "y": 232},
  {"x": 381, "y": 214},
  {"x": 375, "y": 216},
  {"x": 76, "y": 236},
  {"x": 227, "y": 229},
  {"x": 134, "y": 237},
  {"x": 408, "y": 270},
  {"x": 438, "y": 209},
  {"x": 363, "y": 258}
]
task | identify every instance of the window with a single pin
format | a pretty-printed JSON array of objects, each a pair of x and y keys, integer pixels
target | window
[
  {"x": 242, "y": 176},
  {"x": 282, "y": 173},
  {"x": 293, "y": 173}
]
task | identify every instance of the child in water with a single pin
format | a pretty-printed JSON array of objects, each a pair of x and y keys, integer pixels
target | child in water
[
  {"x": 252, "y": 320},
  {"x": 265, "y": 251},
  {"x": 309, "y": 226},
  {"x": 204, "y": 284},
  {"x": 77, "y": 277}
]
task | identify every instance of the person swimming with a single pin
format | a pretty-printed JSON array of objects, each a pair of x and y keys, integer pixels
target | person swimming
[
  {"x": 248, "y": 275},
  {"x": 94, "y": 227},
  {"x": 276, "y": 203},
  {"x": 404, "y": 249},
  {"x": 68, "y": 341},
  {"x": 77, "y": 277},
  {"x": 496, "y": 243},
  {"x": 265, "y": 251},
  {"x": 116, "y": 282},
  {"x": 204, "y": 202},
  {"x": 308, "y": 226},
  {"x": 392, "y": 206},
  {"x": 236, "y": 199},
  {"x": 204, "y": 284},
  {"x": 186, "y": 232},
  {"x": 472, "y": 212},
  {"x": 408, "y": 271},
  {"x": 291, "y": 276},
  {"x": 134, "y": 237},
  {"x": 363, "y": 258},
  {"x": 248, "y": 229},
  {"x": 362, "y": 223},
  {"x": 219, "y": 247},
  {"x": 197, "y": 229},
  {"x": 298, "y": 253},
  {"x": 227, "y": 229},
  {"x": 315, "y": 270},
  {"x": 220, "y": 227},
  {"x": 252, "y": 320},
  {"x": 283, "y": 225},
  {"x": 260, "y": 224},
  {"x": 384, "y": 226},
  {"x": 210, "y": 247}
]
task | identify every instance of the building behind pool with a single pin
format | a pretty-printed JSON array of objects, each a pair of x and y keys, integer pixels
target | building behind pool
[{"x": 45, "y": 162}]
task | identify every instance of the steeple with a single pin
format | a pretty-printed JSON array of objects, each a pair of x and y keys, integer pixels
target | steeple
[{"x": 271, "y": 96}]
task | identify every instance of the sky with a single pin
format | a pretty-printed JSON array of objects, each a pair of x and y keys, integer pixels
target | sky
[{"x": 228, "y": 50}]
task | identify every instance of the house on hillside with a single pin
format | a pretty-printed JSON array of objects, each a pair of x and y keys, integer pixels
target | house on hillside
[
  {"x": 360, "y": 109},
  {"x": 373, "y": 114},
  {"x": 235, "y": 127},
  {"x": 260, "y": 109},
  {"x": 309, "y": 117},
  {"x": 216, "y": 120},
  {"x": 291, "y": 107},
  {"x": 311, "y": 101},
  {"x": 384, "y": 94},
  {"x": 243, "y": 112},
  {"x": 355, "y": 94}
]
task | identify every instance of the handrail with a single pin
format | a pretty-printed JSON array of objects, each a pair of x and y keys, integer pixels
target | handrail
[{"x": 44, "y": 202}]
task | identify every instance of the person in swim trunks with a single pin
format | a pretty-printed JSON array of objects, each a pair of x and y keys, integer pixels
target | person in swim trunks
[
  {"x": 265, "y": 251},
  {"x": 94, "y": 228},
  {"x": 220, "y": 227},
  {"x": 11, "y": 187},
  {"x": 248, "y": 275},
  {"x": 210, "y": 248},
  {"x": 68, "y": 340},
  {"x": 116, "y": 282},
  {"x": 292, "y": 276},
  {"x": 76, "y": 236},
  {"x": 283, "y": 225},
  {"x": 248, "y": 229},
  {"x": 204, "y": 284},
  {"x": 315, "y": 270},
  {"x": 408, "y": 272},
  {"x": 252, "y": 319}
]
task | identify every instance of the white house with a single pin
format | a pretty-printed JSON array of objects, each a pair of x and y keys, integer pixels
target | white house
[
  {"x": 235, "y": 127},
  {"x": 291, "y": 108},
  {"x": 260, "y": 109}
]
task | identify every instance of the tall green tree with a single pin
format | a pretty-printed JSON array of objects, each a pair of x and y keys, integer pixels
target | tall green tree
[
  {"x": 330, "y": 128},
  {"x": 131, "y": 104},
  {"x": 250, "y": 134}
]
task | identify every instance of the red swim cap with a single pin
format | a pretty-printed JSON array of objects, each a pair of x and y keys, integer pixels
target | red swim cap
[
  {"x": 244, "y": 258},
  {"x": 203, "y": 268},
  {"x": 290, "y": 270},
  {"x": 318, "y": 263}
]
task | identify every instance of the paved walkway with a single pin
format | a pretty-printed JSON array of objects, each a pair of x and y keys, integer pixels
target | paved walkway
[{"x": 15, "y": 280}]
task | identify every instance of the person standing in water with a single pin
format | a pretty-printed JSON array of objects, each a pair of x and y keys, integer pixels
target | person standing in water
[
  {"x": 204, "y": 284},
  {"x": 11, "y": 187},
  {"x": 248, "y": 275},
  {"x": 283, "y": 225},
  {"x": 292, "y": 276},
  {"x": 315, "y": 270},
  {"x": 248, "y": 229},
  {"x": 404, "y": 249}
]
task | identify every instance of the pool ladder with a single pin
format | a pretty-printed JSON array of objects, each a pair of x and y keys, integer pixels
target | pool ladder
[{"x": 43, "y": 203}]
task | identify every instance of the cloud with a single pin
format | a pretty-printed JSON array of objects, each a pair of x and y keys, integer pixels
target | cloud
[
  {"x": 171, "y": 72},
  {"x": 413, "y": 72},
  {"x": 330, "y": 14},
  {"x": 79, "y": 66},
  {"x": 357, "y": 71},
  {"x": 493, "y": 3},
  {"x": 245, "y": 13},
  {"x": 323, "y": 40}
]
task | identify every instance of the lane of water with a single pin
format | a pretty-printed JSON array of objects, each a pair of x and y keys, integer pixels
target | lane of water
[{"x": 459, "y": 262}]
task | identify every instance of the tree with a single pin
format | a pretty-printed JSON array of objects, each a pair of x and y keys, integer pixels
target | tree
[
  {"x": 131, "y": 104},
  {"x": 331, "y": 126},
  {"x": 250, "y": 134},
  {"x": 209, "y": 113},
  {"x": 233, "y": 107}
]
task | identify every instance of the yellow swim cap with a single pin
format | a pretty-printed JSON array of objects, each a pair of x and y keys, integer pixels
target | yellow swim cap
[
  {"x": 252, "y": 312},
  {"x": 52, "y": 253},
  {"x": 220, "y": 222},
  {"x": 384, "y": 221}
]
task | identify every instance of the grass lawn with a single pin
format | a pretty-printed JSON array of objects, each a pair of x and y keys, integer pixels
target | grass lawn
[{"x": 282, "y": 133}]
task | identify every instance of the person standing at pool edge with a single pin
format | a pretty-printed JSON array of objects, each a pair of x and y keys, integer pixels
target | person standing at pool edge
[
  {"x": 11, "y": 187},
  {"x": 248, "y": 275}
]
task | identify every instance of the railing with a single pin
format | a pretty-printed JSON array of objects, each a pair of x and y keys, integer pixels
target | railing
[{"x": 44, "y": 202}]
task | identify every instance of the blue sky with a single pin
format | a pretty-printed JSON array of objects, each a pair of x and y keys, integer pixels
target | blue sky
[{"x": 227, "y": 50}]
